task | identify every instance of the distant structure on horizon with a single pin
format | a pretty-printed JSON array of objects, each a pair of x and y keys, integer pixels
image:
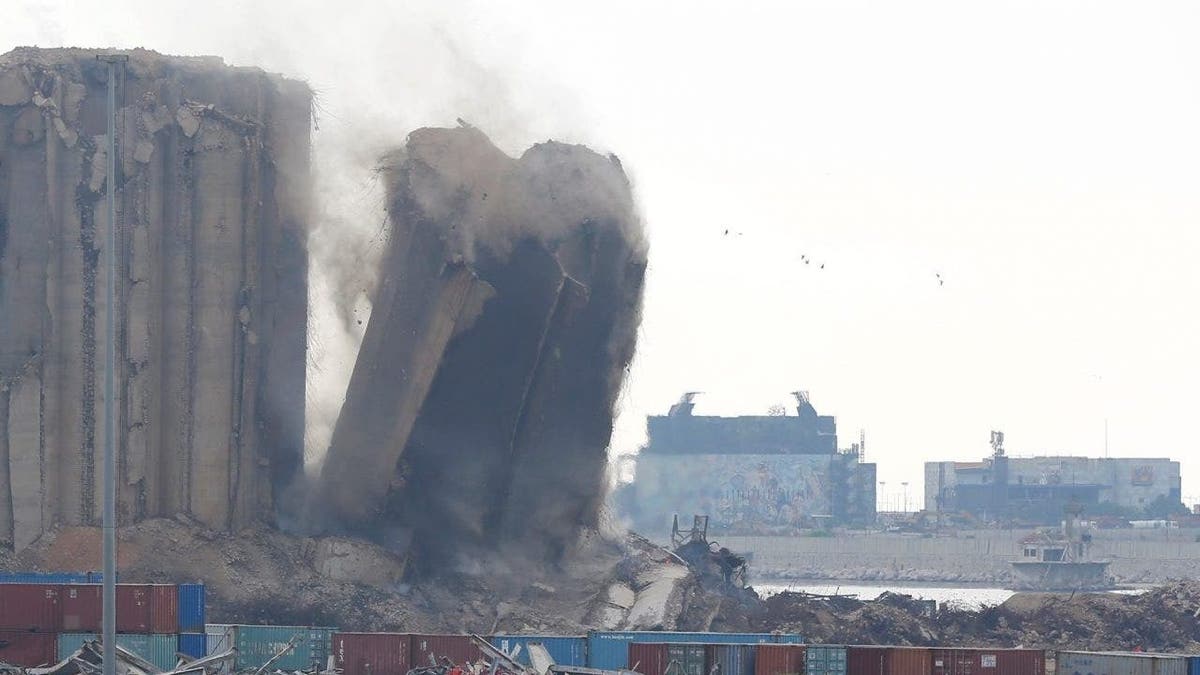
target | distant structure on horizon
[
  {"x": 768, "y": 474},
  {"x": 1037, "y": 489}
]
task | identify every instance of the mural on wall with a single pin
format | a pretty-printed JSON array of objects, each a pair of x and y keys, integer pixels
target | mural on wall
[
  {"x": 1143, "y": 475},
  {"x": 750, "y": 494}
]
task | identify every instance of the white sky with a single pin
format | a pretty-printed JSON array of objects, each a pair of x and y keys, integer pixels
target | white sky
[{"x": 1043, "y": 157}]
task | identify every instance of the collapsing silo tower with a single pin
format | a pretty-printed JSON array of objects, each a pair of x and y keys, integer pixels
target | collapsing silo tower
[
  {"x": 481, "y": 403},
  {"x": 212, "y": 190}
]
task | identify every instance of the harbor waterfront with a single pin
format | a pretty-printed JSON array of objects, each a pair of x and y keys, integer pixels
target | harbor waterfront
[{"x": 965, "y": 596}]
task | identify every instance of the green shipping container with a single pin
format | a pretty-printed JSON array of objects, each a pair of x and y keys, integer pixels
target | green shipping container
[
  {"x": 691, "y": 657},
  {"x": 257, "y": 644},
  {"x": 157, "y": 649}
]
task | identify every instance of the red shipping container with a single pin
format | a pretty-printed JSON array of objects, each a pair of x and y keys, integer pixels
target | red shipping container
[
  {"x": 30, "y": 650},
  {"x": 988, "y": 662},
  {"x": 866, "y": 660},
  {"x": 30, "y": 607},
  {"x": 82, "y": 608},
  {"x": 134, "y": 608},
  {"x": 164, "y": 609},
  {"x": 426, "y": 649},
  {"x": 371, "y": 653},
  {"x": 780, "y": 660},
  {"x": 908, "y": 661},
  {"x": 648, "y": 658}
]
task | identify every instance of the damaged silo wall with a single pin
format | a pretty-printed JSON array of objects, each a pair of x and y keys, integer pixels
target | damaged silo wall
[
  {"x": 212, "y": 192},
  {"x": 472, "y": 420}
]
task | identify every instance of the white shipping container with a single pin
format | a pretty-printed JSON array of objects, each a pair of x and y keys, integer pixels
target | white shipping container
[{"x": 1120, "y": 663}]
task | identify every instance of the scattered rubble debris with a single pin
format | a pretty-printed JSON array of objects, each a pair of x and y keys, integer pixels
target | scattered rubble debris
[{"x": 1166, "y": 618}]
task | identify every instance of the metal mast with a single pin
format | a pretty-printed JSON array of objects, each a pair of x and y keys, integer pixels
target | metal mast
[{"x": 109, "y": 636}]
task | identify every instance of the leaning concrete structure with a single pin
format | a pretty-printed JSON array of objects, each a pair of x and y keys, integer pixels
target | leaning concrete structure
[
  {"x": 213, "y": 191},
  {"x": 481, "y": 403}
]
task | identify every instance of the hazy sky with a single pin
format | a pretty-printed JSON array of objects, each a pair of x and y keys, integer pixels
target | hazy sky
[{"x": 1043, "y": 157}]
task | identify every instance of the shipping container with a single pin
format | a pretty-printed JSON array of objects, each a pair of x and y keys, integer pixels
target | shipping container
[
  {"x": 825, "y": 660},
  {"x": 866, "y": 660},
  {"x": 157, "y": 649},
  {"x": 133, "y": 608},
  {"x": 426, "y": 650},
  {"x": 785, "y": 659},
  {"x": 30, "y": 607},
  {"x": 82, "y": 608},
  {"x": 191, "y": 608},
  {"x": 194, "y": 645},
  {"x": 1120, "y": 663},
  {"x": 44, "y": 578},
  {"x": 908, "y": 661},
  {"x": 609, "y": 650},
  {"x": 218, "y": 638},
  {"x": 257, "y": 644},
  {"x": 648, "y": 658},
  {"x": 1193, "y": 665},
  {"x": 730, "y": 659},
  {"x": 371, "y": 653},
  {"x": 566, "y": 651},
  {"x": 164, "y": 609},
  {"x": 988, "y": 662},
  {"x": 692, "y": 657},
  {"x": 22, "y": 648}
]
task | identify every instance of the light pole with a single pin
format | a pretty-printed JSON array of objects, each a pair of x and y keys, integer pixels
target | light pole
[
  {"x": 883, "y": 494},
  {"x": 109, "y": 632},
  {"x": 905, "y": 486}
]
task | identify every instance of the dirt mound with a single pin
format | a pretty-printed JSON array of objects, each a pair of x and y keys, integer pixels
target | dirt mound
[{"x": 1164, "y": 619}]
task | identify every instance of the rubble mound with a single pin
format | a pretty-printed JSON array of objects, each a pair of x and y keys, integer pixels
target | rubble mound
[{"x": 1162, "y": 619}]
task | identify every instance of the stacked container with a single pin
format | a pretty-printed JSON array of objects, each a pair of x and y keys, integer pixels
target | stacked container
[
  {"x": 191, "y": 602},
  {"x": 47, "y": 616}
]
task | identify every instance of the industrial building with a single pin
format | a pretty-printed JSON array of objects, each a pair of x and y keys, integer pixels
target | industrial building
[
  {"x": 1037, "y": 489},
  {"x": 772, "y": 474}
]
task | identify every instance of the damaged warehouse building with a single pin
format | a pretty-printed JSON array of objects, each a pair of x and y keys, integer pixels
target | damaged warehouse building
[
  {"x": 212, "y": 186},
  {"x": 769, "y": 474},
  {"x": 481, "y": 402}
]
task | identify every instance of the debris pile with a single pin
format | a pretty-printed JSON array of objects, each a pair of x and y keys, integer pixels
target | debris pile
[{"x": 1162, "y": 619}]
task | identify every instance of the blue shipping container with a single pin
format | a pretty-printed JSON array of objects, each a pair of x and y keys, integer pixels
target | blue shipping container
[
  {"x": 609, "y": 650},
  {"x": 191, "y": 608},
  {"x": 1194, "y": 665},
  {"x": 733, "y": 659},
  {"x": 194, "y": 645},
  {"x": 44, "y": 578},
  {"x": 157, "y": 649},
  {"x": 566, "y": 651}
]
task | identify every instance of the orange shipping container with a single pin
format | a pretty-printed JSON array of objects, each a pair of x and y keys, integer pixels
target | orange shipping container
[
  {"x": 780, "y": 660},
  {"x": 908, "y": 661},
  {"x": 164, "y": 609}
]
